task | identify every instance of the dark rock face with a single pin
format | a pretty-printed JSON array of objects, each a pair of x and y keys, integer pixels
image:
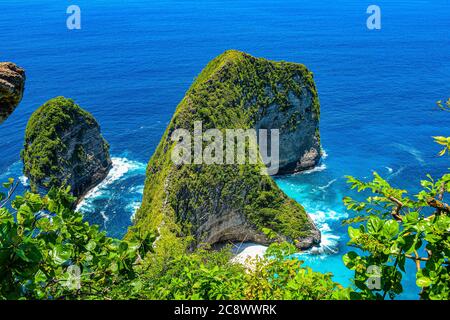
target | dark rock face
[
  {"x": 12, "y": 85},
  {"x": 299, "y": 128},
  {"x": 64, "y": 146},
  {"x": 313, "y": 239}
]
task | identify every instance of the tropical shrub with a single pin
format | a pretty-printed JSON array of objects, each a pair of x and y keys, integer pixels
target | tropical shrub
[
  {"x": 392, "y": 227},
  {"x": 213, "y": 275},
  {"x": 47, "y": 251}
]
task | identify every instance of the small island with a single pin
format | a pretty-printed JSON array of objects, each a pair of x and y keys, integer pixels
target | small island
[
  {"x": 64, "y": 147},
  {"x": 222, "y": 203}
]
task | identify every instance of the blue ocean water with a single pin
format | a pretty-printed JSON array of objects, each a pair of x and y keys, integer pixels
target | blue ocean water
[{"x": 132, "y": 62}]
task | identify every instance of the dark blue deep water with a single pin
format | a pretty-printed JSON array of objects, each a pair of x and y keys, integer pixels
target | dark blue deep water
[{"x": 132, "y": 62}]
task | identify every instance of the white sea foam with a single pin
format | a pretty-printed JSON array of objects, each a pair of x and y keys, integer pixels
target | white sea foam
[
  {"x": 396, "y": 173},
  {"x": 104, "y": 216},
  {"x": 320, "y": 168},
  {"x": 389, "y": 169},
  {"x": 328, "y": 245},
  {"x": 138, "y": 189},
  {"x": 329, "y": 241},
  {"x": 12, "y": 170},
  {"x": 120, "y": 168},
  {"x": 132, "y": 208},
  {"x": 323, "y": 188},
  {"x": 24, "y": 181},
  {"x": 324, "y": 154},
  {"x": 321, "y": 216}
]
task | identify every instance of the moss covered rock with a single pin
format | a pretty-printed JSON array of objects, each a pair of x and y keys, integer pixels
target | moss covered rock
[
  {"x": 12, "y": 85},
  {"x": 217, "y": 203},
  {"x": 64, "y": 147}
]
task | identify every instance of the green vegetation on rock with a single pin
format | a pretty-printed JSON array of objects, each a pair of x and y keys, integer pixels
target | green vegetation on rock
[
  {"x": 217, "y": 203},
  {"x": 63, "y": 146}
]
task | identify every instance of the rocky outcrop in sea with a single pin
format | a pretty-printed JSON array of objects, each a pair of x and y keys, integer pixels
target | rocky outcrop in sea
[
  {"x": 217, "y": 203},
  {"x": 12, "y": 85},
  {"x": 64, "y": 147}
]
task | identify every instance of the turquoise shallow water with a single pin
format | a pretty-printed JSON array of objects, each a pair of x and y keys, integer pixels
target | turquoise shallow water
[{"x": 132, "y": 62}]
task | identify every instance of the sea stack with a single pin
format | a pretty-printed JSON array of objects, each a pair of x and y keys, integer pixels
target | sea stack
[
  {"x": 64, "y": 147},
  {"x": 217, "y": 203},
  {"x": 12, "y": 85}
]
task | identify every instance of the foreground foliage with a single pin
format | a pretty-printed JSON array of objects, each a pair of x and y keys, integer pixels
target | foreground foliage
[
  {"x": 214, "y": 276},
  {"x": 47, "y": 251},
  {"x": 393, "y": 228}
]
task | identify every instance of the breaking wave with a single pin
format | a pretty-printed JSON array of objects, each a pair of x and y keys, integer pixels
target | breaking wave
[
  {"x": 120, "y": 167},
  {"x": 323, "y": 188},
  {"x": 319, "y": 168},
  {"x": 330, "y": 241},
  {"x": 115, "y": 200}
]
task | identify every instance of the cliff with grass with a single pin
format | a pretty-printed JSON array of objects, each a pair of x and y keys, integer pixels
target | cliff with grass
[
  {"x": 214, "y": 203},
  {"x": 64, "y": 147}
]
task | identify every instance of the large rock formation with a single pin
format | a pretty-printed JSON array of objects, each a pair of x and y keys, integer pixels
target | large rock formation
[
  {"x": 63, "y": 146},
  {"x": 12, "y": 85},
  {"x": 216, "y": 203}
]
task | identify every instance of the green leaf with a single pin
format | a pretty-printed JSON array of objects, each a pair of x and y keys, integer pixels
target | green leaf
[
  {"x": 60, "y": 254},
  {"x": 441, "y": 140},
  {"x": 8, "y": 184},
  {"x": 423, "y": 282},
  {"x": 25, "y": 215},
  {"x": 91, "y": 245},
  {"x": 390, "y": 229},
  {"x": 350, "y": 259},
  {"x": 401, "y": 262},
  {"x": 353, "y": 233},
  {"x": 29, "y": 253},
  {"x": 374, "y": 225},
  {"x": 21, "y": 254}
]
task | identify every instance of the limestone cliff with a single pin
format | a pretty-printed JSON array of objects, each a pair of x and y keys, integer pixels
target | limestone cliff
[
  {"x": 216, "y": 203},
  {"x": 12, "y": 85},
  {"x": 64, "y": 146}
]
